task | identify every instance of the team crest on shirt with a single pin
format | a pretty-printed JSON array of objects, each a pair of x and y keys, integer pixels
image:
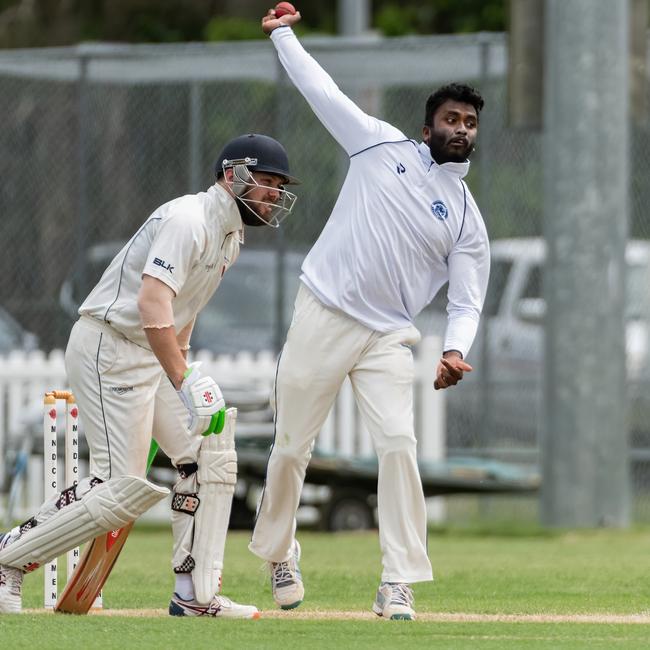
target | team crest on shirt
[{"x": 439, "y": 210}]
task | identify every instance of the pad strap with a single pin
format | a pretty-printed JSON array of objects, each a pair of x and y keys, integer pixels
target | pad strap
[
  {"x": 186, "y": 566},
  {"x": 187, "y": 469},
  {"x": 187, "y": 503}
]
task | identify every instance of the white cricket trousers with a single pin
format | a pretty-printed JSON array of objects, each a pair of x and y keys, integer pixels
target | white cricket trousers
[
  {"x": 322, "y": 347},
  {"x": 124, "y": 398}
]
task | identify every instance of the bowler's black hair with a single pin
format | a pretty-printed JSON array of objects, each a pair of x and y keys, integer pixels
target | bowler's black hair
[{"x": 457, "y": 92}]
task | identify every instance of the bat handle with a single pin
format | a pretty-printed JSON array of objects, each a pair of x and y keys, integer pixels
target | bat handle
[{"x": 153, "y": 450}]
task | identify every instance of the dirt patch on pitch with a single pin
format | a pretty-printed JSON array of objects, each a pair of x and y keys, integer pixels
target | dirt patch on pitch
[
  {"x": 439, "y": 617},
  {"x": 443, "y": 617}
]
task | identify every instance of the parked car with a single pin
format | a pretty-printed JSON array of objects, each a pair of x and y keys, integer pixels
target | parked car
[
  {"x": 499, "y": 404},
  {"x": 77, "y": 285},
  {"x": 253, "y": 305},
  {"x": 250, "y": 311},
  {"x": 13, "y": 336}
]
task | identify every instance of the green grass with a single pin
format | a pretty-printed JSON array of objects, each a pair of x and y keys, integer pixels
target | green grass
[{"x": 507, "y": 571}]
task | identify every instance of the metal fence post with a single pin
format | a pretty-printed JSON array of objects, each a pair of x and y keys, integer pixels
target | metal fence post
[
  {"x": 194, "y": 133},
  {"x": 584, "y": 448}
]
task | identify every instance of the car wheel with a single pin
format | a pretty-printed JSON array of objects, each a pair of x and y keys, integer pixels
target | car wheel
[
  {"x": 241, "y": 516},
  {"x": 349, "y": 512}
]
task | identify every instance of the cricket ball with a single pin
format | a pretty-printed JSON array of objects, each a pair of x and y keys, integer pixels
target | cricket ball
[{"x": 283, "y": 8}]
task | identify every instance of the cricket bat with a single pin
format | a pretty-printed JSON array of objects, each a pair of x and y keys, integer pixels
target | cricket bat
[{"x": 95, "y": 564}]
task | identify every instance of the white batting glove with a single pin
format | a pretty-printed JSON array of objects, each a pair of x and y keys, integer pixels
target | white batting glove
[{"x": 203, "y": 399}]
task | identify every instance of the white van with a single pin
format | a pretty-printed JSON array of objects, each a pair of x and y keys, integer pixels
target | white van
[{"x": 500, "y": 403}]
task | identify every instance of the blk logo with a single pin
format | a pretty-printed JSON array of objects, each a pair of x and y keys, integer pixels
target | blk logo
[
  {"x": 401, "y": 169},
  {"x": 158, "y": 262}
]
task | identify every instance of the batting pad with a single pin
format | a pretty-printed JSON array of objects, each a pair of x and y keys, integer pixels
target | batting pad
[
  {"x": 107, "y": 506},
  {"x": 217, "y": 475}
]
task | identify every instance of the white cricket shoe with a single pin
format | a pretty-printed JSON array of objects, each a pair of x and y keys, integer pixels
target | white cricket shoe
[
  {"x": 11, "y": 580},
  {"x": 11, "y": 584},
  {"x": 286, "y": 580},
  {"x": 394, "y": 601},
  {"x": 218, "y": 607}
]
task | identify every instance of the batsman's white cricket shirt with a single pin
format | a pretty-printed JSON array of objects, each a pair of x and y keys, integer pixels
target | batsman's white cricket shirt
[
  {"x": 188, "y": 244},
  {"x": 402, "y": 225}
]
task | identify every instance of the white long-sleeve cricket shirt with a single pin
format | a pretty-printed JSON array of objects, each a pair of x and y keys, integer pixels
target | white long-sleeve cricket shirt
[{"x": 402, "y": 225}]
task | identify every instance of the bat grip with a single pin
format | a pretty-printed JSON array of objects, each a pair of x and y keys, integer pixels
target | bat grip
[{"x": 153, "y": 450}]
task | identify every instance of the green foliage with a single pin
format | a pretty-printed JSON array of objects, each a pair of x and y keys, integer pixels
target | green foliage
[
  {"x": 394, "y": 20},
  {"x": 223, "y": 28},
  {"x": 440, "y": 16},
  {"x": 46, "y": 22},
  {"x": 231, "y": 28},
  {"x": 148, "y": 29}
]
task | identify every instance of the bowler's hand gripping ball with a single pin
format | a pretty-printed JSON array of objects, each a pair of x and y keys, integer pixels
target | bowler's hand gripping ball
[{"x": 283, "y": 8}]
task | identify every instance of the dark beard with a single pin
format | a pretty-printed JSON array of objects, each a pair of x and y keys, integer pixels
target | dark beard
[
  {"x": 247, "y": 216},
  {"x": 441, "y": 154}
]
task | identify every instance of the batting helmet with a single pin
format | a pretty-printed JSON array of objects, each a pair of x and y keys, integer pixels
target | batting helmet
[{"x": 270, "y": 155}]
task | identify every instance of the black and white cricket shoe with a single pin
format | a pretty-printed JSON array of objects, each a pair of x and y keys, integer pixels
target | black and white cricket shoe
[{"x": 218, "y": 607}]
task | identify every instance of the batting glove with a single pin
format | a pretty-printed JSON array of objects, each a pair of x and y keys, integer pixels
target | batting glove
[{"x": 204, "y": 401}]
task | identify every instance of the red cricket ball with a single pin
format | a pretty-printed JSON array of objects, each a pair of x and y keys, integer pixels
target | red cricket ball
[{"x": 283, "y": 8}]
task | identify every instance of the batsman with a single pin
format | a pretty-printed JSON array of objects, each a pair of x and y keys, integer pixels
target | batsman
[{"x": 126, "y": 362}]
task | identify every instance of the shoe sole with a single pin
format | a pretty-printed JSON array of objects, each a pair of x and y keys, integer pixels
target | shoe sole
[
  {"x": 395, "y": 617},
  {"x": 176, "y": 610},
  {"x": 291, "y": 606}
]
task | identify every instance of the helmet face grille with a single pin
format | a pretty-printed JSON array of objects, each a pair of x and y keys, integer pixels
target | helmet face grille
[{"x": 243, "y": 182}]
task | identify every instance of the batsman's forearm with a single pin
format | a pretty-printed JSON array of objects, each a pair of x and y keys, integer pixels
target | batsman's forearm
[
  {"x": 183, "y": 337},
  {"x": 164, "y": 345}
]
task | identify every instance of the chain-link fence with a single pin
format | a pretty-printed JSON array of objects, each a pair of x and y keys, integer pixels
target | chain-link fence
[{"x": 95, "y": 138}]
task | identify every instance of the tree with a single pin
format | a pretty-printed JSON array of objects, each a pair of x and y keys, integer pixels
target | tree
[{"x": 30, "y": 23}]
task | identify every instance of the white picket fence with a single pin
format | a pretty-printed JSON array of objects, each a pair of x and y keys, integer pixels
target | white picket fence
[{"x": 25, "y": 377}]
